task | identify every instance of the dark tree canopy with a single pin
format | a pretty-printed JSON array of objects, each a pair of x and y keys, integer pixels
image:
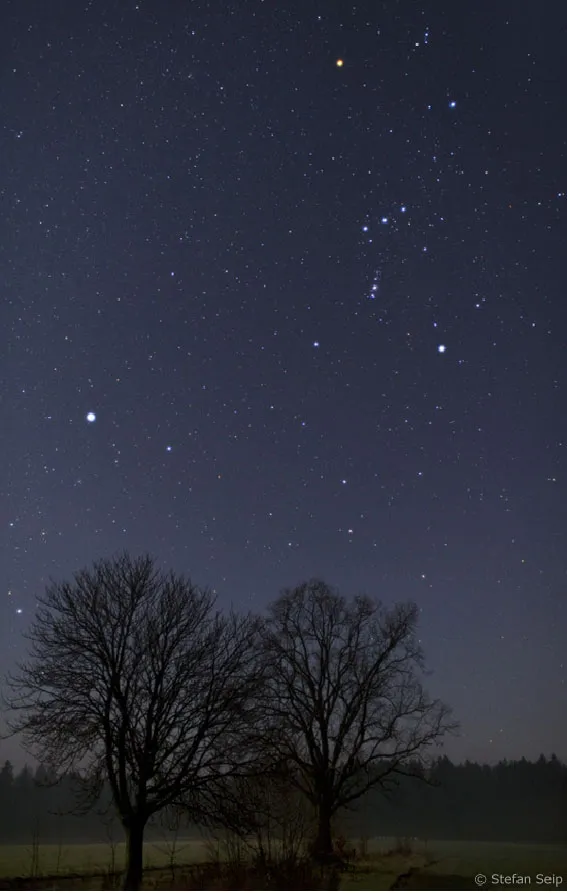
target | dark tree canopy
[
  {"x": 133, "y": 678},
  {"x": 134, "y": 681},
  {"x": 346, "y": 704}
]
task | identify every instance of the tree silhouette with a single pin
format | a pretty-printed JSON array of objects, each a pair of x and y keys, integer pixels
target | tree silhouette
[
  {"x": 134, "y": 679},
  {"x": 346, "y": 708}
]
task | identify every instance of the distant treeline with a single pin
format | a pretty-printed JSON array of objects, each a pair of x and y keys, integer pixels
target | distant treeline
[{"x": 511, "y": 801}]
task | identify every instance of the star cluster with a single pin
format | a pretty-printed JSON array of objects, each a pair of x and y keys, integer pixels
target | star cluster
[{"x": 284, "y": 297}]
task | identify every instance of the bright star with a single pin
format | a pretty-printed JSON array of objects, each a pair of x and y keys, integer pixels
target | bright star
[
  {"x": 384, "y": 220},
  {"x": 91, "y": 417},
  {"x": 441, "y": 348},
  {"x": 316, "y": 344},
  {"x": 452, "y": 104},
  {"x": 340, "y": 63}
]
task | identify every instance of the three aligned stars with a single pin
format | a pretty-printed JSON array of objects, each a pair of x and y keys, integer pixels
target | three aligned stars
[{"x": 90, "y": 417}]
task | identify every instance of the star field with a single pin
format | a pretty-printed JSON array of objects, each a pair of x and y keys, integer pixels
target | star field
[{"x": 283, "y": 297}]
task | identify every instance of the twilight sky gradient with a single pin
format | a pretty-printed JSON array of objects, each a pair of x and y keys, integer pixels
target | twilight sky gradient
[{"x": 270, "y": 317}]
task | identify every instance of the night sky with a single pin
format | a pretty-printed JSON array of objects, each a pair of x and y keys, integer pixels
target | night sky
[{"x": 283, "y": 296}]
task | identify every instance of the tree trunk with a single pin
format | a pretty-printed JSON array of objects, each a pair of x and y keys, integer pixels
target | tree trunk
[
  {"x": 323, "y": 844},
  {"x": 134, "y": 854}
]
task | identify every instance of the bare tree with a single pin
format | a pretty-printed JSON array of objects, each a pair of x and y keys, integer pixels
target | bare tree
[
  {"x": 134, "y": 678},
  {"x": 346, "y": 707}
]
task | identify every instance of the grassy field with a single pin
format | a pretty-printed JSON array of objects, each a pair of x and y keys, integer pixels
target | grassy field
[
  {"x": 470, "y": 858},
  {"x": 431, "y": 861},
  {"x": 17, "y": 860},
  {"x": 430, "y": 865}
]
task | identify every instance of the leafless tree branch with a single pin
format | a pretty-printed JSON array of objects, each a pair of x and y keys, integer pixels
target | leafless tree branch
[
  {"x": 344, "y": 697},
  {"x": 132, "y": 677}
]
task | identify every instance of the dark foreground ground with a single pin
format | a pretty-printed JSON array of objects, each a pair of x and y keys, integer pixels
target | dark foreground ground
[{"x": 381, "y": 864}]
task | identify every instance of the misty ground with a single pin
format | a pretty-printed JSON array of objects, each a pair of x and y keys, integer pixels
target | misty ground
[{"x": 386, "y": 863}]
